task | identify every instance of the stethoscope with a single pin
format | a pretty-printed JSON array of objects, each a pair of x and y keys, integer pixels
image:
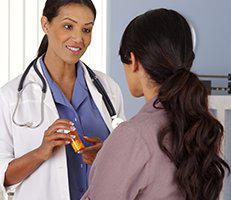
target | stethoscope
[{"x": 111, "y": 110}]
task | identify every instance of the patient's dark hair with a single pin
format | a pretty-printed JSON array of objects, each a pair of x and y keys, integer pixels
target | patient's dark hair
[
  {"x": 51, "y": 10},
  {"x": 161, "y": 41}
]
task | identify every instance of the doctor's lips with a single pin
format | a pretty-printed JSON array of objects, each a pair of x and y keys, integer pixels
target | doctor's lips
[
  {"x": 73, "y": 49},
  {"x": 76, "y": 142}
]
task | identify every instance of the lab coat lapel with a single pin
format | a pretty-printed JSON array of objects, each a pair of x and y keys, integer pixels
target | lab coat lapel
[{"x": 97, "y": 97}]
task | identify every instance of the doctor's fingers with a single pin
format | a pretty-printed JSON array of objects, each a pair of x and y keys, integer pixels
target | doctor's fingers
[
  {"x": 59, "y": 136},
  {"x": 88, "y": 159},
  {"x": 60, "y": 124},
  {"x": 63, "y": 121},
  {"x": 58, "y": 143},
  {"x": 59, "y": 128},
  {"x": 91, "y": 149},
  {"x": 93, "y": 140}
]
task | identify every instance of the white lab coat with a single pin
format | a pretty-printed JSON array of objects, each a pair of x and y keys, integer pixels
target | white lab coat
[{"x": 50, "y": 180}]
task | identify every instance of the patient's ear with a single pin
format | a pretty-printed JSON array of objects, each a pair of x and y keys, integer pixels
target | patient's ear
[{"x": 134, "y": 63}]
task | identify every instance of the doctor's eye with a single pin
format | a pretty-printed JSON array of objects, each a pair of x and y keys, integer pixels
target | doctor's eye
[
  {"x": 86, "y": 30},
  {"x": 68, "y": 27}
]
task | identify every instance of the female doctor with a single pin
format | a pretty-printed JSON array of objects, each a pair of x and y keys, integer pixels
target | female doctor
[{"x": 36, "y": 160}]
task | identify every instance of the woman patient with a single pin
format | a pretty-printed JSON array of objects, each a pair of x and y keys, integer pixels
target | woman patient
[{"x": 170, "y": 149}]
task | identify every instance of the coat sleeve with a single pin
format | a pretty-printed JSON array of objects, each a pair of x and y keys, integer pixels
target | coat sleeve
[
  {"x": 6, "y": 143},
  {"x": 120, "y": 170}
]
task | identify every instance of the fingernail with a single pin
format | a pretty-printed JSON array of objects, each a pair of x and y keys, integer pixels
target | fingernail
[
  {"x": 66, "y": 131},
  {"x": 72, "y": 128},
  {"x": 73, "y": 136},
  {"x": 67, "y": 142},
  {"x": 60, "y": 131},
  {"x": 71, "y": 123}
]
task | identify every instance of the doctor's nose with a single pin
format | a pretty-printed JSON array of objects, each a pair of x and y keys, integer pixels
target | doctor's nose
[{"x": 77, "y": 36}]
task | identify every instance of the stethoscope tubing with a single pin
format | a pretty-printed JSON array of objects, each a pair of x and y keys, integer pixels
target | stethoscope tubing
[
  {"x": 102, "y": 91},
  {"x": 95, "y": 80}
]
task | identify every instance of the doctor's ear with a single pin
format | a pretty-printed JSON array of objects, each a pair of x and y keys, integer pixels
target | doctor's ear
[
  {"x": 44, "y": 24},
  {"x": 134, "y": 62}
]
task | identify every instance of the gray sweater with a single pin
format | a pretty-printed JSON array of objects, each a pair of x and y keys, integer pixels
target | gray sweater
[{"x": 131, "y": 165}]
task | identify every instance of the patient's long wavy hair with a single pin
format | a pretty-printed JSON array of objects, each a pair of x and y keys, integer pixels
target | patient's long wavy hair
[{"x": 161, "y": 40}]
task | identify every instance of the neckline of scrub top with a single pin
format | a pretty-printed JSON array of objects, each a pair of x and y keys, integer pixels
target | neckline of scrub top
[{"x": 79, "y": 93}]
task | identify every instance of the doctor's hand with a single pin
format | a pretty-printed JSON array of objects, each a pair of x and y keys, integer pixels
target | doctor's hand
[
  {"x": 53, "y": 140},
  {"x": 89, "y": 153}
]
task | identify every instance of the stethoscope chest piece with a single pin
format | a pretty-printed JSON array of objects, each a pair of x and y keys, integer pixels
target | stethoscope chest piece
[{"x": 116, "y": 121}]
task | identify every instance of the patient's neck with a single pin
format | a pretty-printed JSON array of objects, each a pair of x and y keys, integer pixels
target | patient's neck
[{"x": 150, "y": 91}]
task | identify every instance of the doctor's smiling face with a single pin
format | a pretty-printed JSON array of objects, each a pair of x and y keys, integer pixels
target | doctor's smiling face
[{"x": 69, "y": 33}]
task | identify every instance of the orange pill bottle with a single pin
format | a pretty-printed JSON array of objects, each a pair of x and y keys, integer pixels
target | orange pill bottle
[{"x": 76, "y": 142}]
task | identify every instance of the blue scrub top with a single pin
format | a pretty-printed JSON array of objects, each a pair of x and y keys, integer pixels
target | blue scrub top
[{"x": 88, "y": 121}]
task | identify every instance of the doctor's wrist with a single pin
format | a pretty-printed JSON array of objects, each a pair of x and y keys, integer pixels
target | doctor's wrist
[{"x": 40, "y": 155}]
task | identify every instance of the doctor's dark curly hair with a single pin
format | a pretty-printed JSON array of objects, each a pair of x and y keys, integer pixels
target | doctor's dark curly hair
[
  {"x": 51, "y": 10},
  {"x": 161, "y": 41}
]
